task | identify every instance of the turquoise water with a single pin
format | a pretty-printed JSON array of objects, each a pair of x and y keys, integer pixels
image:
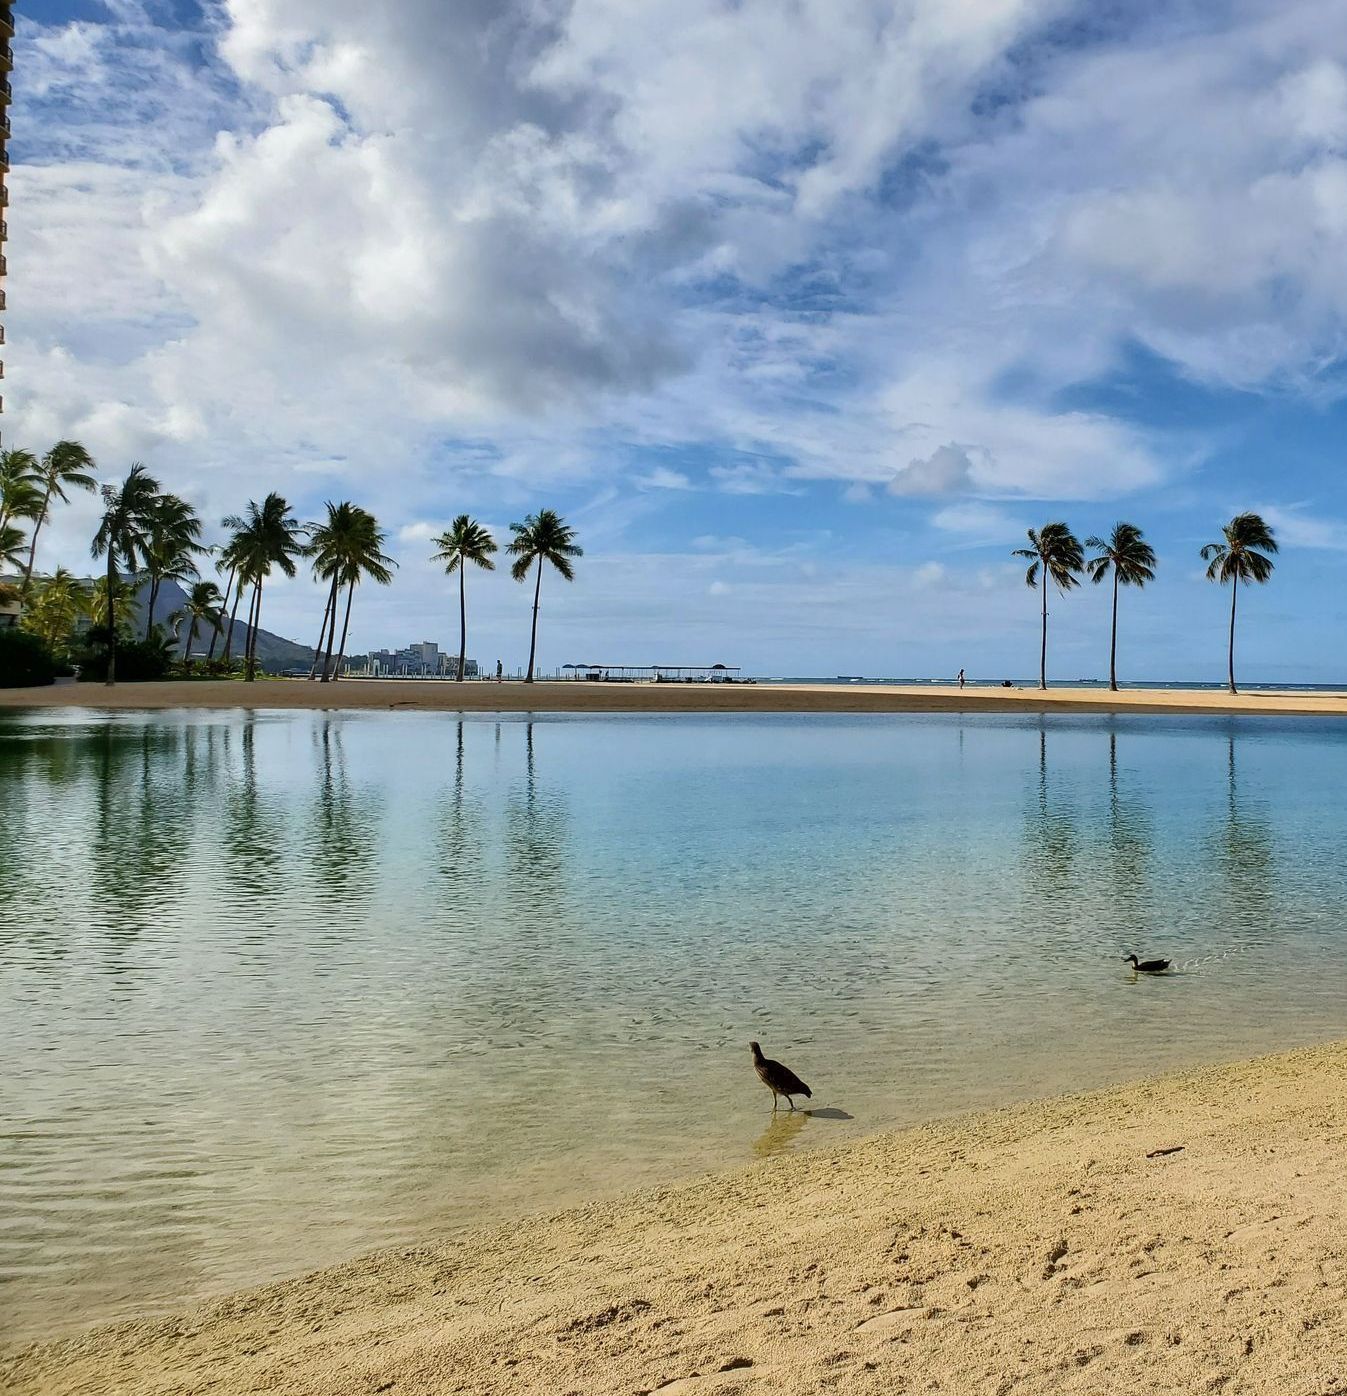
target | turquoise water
[{"x": 280, "y": 987}]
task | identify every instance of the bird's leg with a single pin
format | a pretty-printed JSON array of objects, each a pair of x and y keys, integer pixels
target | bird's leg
[
  {"x": 790, "y": 1102},
  {"x": 775, "y": 1102}
]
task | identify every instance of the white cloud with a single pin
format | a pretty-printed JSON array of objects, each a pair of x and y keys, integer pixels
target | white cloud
[
  {"x": 1295, "y": 527},
  {"x": 458, "y": 255}
]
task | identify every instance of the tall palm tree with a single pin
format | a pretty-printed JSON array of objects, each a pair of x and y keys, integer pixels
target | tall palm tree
[
  {"x": 56, "y": 606},
  {"x": 270, "y": 537},
  {"x": 329, "y": 543},
  {"x": 362, "y": 556},
  {"x": 20, "y": 487},
  {"x": 202, "y": 606},
  {"x": 465, "y": 541},
  {"x": 1131, "y": 559},
  {"x": 542, "y": 537},
  {"x": 172, "y": 548},
  {"x": 1055, "y": 553},
  {"x": 66, "y": 466},
  {"x": 124, "y": 532},
  {"x": 1240, "y": 557}
]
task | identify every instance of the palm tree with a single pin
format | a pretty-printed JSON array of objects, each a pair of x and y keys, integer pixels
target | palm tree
[
  {"x": 172, "y": 546},
  {"x": 362, "y": 556},
  {"x": 1056, "y": 553},
  {"x": 1131, "y": 560},
  {"x": 20, "y": 486},
  {"x": 270, "y": 537},
  {"x": 465, "y": 541},
  {"x": 329, "y": 543},
  {"x": 544, "y": 537},
  {"x": 202, "y": 605},
  {"x": 11, "y": 551},
  {"x": 66, "y": 466},
  {"x": 56, "y": 607},
  {"x": 1237, "y": 559},
  {"x": 124, "y": 531}
]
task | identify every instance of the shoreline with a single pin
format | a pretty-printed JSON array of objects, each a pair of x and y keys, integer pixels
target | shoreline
[
  {"x": 568, "y": 695},
  {"x": 1040, "y": 1248}
]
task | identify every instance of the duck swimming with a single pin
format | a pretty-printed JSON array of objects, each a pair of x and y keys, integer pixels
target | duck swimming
[{"x": 1148, "y": 966}]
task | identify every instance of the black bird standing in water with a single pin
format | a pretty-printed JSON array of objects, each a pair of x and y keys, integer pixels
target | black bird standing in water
[
  {"x": 1148, "y": 966},
  {"x": 778, "y": 1079}
]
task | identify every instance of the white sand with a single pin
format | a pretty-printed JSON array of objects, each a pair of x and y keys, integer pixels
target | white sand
[{"x": 1036, "y": 1250}]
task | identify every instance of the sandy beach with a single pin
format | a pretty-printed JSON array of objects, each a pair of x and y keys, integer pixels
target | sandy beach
[
  {"x": 1186, "y": 1234},
  {"x": 571, "y": 696}
]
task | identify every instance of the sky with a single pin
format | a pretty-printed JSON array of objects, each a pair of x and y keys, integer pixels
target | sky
[{"x": 800, "y": 311}]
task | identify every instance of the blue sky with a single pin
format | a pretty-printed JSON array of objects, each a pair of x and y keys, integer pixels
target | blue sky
[{"x": 800, "y": 310}]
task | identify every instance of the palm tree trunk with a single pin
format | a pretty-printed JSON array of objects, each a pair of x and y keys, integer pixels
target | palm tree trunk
[
  {"x": 331, "y": 630},
  {"x": 112, "y": 618},
  {"x": 533, "y": 638},
  {"x": 229, "y": 636},
  {"x": 1113, "y": 642},
  {"x": 323, "y": 632},
  {"x": 250, "y": 672},
  {"x": 191, "y": 636},
  {"x": 32, "y": 551},
  {"x": 1043, "y": 653},
  {"x": 345, "y": 626},
  {"x": 462, "y": 621},
  {"x": 224, "y": 606},
  {"x": 1234, "y": 591},
  {"x": 149, "y": 609}
]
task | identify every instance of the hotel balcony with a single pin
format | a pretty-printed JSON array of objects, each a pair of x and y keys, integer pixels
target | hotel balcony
[
  {"x": 4, "y": 230},
  {"x": 5, "y": 132},
  {"x": 6, "y": 22},
  {"x": 6, "y": 93},
  {"x": 6, "y": 58},
  {"x": 4, "y": 196},
  {"x": 2, "y": 334},
  {"x": 2, "y": 297}
]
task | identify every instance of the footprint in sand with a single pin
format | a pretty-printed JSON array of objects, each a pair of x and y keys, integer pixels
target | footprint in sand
[
  {"x": 725, "y": 1379},
  {"x": 885, "y": 1325}
]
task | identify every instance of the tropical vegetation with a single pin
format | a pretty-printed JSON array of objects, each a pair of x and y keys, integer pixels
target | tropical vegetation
[
  {"x": 464, "y": 541},
  {"x": 1240, "y": 556},
  {"x": 544, "y": 537},
  {"x": 123, "y": 533},
  {"x": 1130, "y": 561},
  {"x": 346, "y": 547},
  {"x": 1055, "y": 554}
]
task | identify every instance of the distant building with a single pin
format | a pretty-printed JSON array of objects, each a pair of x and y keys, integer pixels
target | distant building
[{"x": 423, "y": 660}]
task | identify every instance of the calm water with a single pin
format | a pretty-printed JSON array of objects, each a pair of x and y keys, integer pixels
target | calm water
[{"x": 277, "y": 988}]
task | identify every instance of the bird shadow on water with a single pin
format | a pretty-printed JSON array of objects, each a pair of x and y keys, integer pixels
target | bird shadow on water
[{"x": 786, "y": 1125}]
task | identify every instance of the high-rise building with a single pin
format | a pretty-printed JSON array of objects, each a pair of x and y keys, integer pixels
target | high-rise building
[{"x": 6, "y": 67}]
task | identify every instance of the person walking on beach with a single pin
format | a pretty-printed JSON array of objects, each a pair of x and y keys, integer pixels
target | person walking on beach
[
  {"x": 499, "y": 670},
  {"x": 960, "y": 678}
]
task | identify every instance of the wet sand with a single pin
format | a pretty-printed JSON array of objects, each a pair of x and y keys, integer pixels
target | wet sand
[
  {"x": 1187, "y": 1234},
  {"x": 572, "y": 696}
]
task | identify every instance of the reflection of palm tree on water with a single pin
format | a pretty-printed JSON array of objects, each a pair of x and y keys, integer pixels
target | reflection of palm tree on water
[{"x": 1246, "y": 867}]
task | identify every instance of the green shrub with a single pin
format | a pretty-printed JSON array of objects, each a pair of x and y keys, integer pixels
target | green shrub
[
  {"x": 25, "y": 662},
  {"x": 138, "y": 661}
]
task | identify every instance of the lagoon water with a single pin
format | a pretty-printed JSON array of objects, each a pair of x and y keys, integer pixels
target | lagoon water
[{"x": 280, "y": 987}]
